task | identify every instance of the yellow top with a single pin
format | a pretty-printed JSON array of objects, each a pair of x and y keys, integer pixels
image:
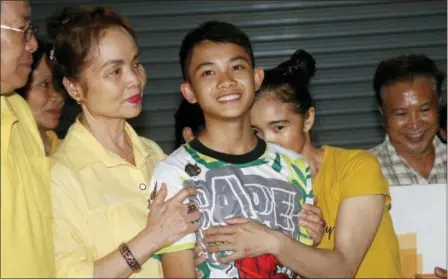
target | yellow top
[
  {"x": 26, "y": 229},
  {"x": 100, "y": 200},
  {"x": 55, "y": 141},
  {"x": 350, "y": 173}
]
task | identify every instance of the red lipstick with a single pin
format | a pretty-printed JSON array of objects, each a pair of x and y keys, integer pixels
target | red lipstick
[{"x": 137, "y": 98}]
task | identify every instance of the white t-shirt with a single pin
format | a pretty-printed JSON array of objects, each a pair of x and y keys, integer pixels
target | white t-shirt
[{"x": 270, "y": 184}]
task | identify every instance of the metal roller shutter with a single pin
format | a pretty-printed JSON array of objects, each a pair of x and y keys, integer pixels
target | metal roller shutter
[{"x": 347, "y": 38}]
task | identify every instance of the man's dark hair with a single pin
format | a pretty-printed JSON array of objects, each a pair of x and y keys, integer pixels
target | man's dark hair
[
  {"x": 215, "y": 31},
  {"x": 404, "y": 68},
  {"x": 188, "y": 115}
]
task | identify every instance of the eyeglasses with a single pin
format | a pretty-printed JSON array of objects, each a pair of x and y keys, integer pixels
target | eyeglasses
[{"x": 28, "y": 32}]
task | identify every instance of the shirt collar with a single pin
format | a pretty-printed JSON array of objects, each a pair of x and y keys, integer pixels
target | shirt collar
[
  {"x": 396, "y": 159},
  {"x": 85, "y": 150},
  {"x": 438, "y": 145},
  {"x": 440, "y": 151}
]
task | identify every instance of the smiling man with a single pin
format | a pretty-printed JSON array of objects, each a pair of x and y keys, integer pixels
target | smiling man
[
  {"x": 26, "y": 226},
  {"x": 407, "y": 89}
]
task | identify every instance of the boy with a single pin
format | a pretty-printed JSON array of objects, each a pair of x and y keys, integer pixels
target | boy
[{"x": 236, "y": 173}]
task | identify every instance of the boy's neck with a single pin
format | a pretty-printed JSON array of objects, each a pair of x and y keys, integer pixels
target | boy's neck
[{"x": 233, "y": 137}]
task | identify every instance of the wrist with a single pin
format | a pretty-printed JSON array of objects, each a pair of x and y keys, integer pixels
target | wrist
[
  {"x": 277, "y": 242},
  {"x": 152, "y": 239}
]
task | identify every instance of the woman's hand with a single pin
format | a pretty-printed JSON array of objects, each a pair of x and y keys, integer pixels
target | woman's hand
[
  {"x": 171, "y": 220},
  {"x": 199, "y": 257},
  {"x": 247, "y": 238},
  {"x": 311, "y": 218},
  {"x": 438, "y": 272}
]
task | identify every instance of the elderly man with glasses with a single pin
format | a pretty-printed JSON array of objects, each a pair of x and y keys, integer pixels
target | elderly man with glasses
[{"x": 26, "y": 216}]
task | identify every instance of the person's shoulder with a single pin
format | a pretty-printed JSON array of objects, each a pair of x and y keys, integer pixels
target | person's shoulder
[
  {"x": 278, "y": 149},
  {"x": 153, "y": 147},
  {"x": 174, "y": 161},
  {"x": 68, "y": 154},
  {"x": 17, "y": 101},
  {"x": 21, "y": 109},
  {"x": 283, "y": 157},
  {"x": 60, "y": 160},
  {"x": 350, "y": 154},
  {"x": 379, "y": 149},
  {"x": 352, "y": 158}
]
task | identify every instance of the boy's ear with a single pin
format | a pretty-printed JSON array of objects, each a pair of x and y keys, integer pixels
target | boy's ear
[
  {"x": 258, "y": 76},
  {"x": 188, "y": 93}
]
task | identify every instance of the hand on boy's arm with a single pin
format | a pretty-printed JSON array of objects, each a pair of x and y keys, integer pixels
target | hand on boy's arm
[
  {"x": 311, "y": 218},
  {"x": 200, "y": 255},
  {"x": 171, "y": 220}
]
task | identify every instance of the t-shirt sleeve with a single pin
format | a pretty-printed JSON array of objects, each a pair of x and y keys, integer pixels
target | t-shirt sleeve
[
  {"x": 301, "y": 171},
  {"x": 362, "y": 176},
  {"x": 299, "y": 174},
  {"x": 165, "y": 173}
]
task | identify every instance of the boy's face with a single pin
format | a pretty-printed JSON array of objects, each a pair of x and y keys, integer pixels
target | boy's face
[{"x": 221, "y": 80}]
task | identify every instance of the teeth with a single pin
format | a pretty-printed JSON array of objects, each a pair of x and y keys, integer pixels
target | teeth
[
  {"x": 416, "y": 135},
  {"x": 230, "y": 97}
]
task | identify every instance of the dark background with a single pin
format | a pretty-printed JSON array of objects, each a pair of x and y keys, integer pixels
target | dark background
[{"x": 347, "y": 39}]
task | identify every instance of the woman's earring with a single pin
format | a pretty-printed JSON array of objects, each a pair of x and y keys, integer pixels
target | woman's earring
[{"x": 77, "y": 98}]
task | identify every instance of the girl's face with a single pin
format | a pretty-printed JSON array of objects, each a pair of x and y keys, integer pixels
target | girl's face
[{"x": 276, "y": 121}]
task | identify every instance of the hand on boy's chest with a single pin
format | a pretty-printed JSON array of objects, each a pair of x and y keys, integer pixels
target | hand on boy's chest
[{"x": 228, "y": 192}]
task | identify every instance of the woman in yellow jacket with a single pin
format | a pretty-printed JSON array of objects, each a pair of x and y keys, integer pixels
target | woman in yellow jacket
[
  {"x": 351, "y": 191},
  {"x": 100, "y": 172},
  {"x": 44, "y": 99}
]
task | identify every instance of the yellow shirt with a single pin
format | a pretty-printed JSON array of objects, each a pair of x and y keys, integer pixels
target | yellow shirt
[
  {"x": 99, "y": 200},
  {"x": 351, "y": 173},
  {"x": 55, "y": 141},
  {"x": 26, "y": 232}
]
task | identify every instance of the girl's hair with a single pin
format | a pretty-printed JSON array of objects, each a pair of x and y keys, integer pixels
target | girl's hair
[
  {"x": 75, "y": 31},
  {"x": 289, "y": 81},
  {"x": 43, "y": 49}
]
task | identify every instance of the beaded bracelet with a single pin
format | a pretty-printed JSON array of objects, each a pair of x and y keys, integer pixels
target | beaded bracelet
[{"x": 129, "y": 257}]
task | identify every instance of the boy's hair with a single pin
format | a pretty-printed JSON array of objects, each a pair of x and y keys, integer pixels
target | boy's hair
[
  {"x": 188, "y": 115},
  {"x": 215, "y": 31},
  {"x": 406, "y": 68}
]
